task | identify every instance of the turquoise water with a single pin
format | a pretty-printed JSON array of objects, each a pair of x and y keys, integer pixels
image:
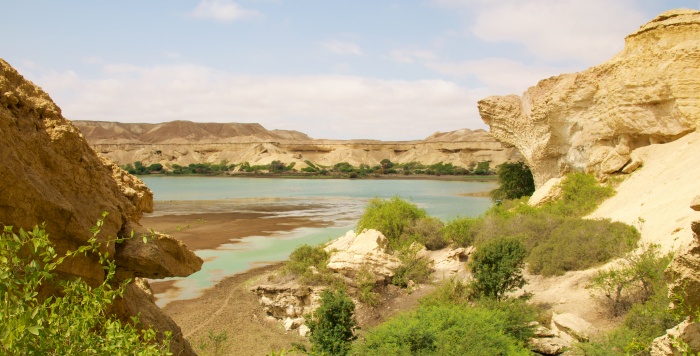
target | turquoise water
[{"x": 338, "y": 201}]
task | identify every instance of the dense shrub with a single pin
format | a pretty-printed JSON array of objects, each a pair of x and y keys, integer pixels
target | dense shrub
[
  {"x": 460, "y": 231},
  {"x": 576, "y": 244},
  {"x": 365, "y": 287},
  {"x": 497, "y": 267},
  {"x": 428, "y": 231},
  {"x": 412, "y": 268},
  {"x": 443, "y": 330},
  {"x": 515, "y": 180},
  {"x": 639, "y": 288},
  {"x": 332, "y": 324},
  {"x": 581, "y": 194},
  {"x": 392, "y": 218},
  {"x": 301, "y": 261},
  {"x": 75, "y": 323}
]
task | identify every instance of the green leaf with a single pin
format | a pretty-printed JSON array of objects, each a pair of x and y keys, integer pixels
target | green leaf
[{"x": 34, "y": 329}]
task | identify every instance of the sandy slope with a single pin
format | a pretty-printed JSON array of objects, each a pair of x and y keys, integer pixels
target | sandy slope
[{"x": 660, "y": 193}]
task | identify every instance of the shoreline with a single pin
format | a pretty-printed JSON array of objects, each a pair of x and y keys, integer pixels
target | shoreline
[{"x": 461, "y": 178}]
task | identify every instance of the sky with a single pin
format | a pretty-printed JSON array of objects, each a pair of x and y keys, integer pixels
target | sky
[{"x": 336, "y": 69}]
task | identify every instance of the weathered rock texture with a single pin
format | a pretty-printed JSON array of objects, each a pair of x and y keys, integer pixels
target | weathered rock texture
[
  {"x": 683, "y": 339},
  {"x": 685, "y": 272},
  {"x": 352, "y": 253},
  {"x": 184, "y": 142},
  {"x": 592, "y": 120},
  {"x": 51, "y": 175}
]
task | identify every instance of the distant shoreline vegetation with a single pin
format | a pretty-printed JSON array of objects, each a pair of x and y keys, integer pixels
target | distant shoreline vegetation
[{"x": 385, "y": 168}]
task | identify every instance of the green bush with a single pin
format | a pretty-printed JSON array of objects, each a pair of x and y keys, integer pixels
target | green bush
[
  {"x": 428, "y": 231},
  {"x": 497, "y": 267},
  {"x": 515, "y": 180},
  {"x": 412, "y": 267},
  {"x": 365, "y": 287},
  {"x": 77, "y": 321},
  {"x": 392, "y": 218},
  {"x": 303, "y": 258},
  {"x": 442, "y": 330},
  {"x": 461, "y": 231},
  {"x": 577, "y": 244},
  {"x": 332, "y": 325},
  {"x": 581, "y": 194}
]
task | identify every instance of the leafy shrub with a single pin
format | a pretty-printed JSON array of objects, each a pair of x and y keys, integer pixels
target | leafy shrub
[
  {"x": 428, "y": 231},
  {"x": 442, "y": 330},
  {"x": 449, "y": 291},
  {"x": 412, "y": 268},
  {"x": 301, "y": 261},
  {"x": 392, "y": 218},
  {"x": 515, "y": 180},
  {"x": 577, "y": 244},
  {"x": 461, "y": 231},
  {"x": 497, "y": 267},
  {"x": 636, "y": 280},
  {"x": 365, "y": 287},
  {"x": 581, "y": 194},
  {"x": 332, "y": 325},
  {"x": 75, "y": 322}
]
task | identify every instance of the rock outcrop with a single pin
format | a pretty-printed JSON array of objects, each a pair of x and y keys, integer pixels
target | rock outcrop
[
  {"x": 184, "y": 142},
  {"x": 352, "y": 253},
  {"x": 592, "y": 121},
  {"x": 51, "y": 175}
]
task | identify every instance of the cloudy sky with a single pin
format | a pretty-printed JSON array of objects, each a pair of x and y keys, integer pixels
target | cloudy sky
[{"x": 340, "y": 69}]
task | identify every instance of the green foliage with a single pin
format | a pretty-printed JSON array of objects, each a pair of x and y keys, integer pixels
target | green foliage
[
  {"x": 365, "y": 287},
  {"x": 301, "y": 261},
  {"x": 497, "y": 267},
  {"x": 576, "y": 244},
  {"x": 443, "y": 330},
  {"x": 412, "y": 267},
  {"x": 76, "y": 321},
  {"x": 449, "y": 291},
  {"x": 581, "y": 194},
  {"x": 460, "y": 231},
  {"x": 637, "y": 287},
  {"x": 213, "y": 344},
  {"x": 392, "y": 218},
  {"x": 427, "y": 231},
  {"x": 515, "y": 180},
  {"x": 636, "y": 280},
  {"x": 483, "y": 168},
  {"x": 333, "y": 324}
]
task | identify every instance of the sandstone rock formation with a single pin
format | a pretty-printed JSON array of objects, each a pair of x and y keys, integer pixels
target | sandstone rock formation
[
  {"x": 51, "y": 175},
  {"x": 591, "y": 121},
  {"x": 184, "y": 142},
  {"x": 351, "y": 253},
  {"x": 678, "y": 340}
]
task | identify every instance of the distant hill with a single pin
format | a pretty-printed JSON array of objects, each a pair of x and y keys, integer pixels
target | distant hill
[{"x": 185, "y": 142}]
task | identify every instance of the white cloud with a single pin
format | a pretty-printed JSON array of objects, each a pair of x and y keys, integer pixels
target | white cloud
[
  {"x": 588, "y": 31},
  {"x": 499, "y": 75},
  {"x": 342, "y": 47},
  {"x": 323, "y": 106},
  {"x": 222, "y": 10}
]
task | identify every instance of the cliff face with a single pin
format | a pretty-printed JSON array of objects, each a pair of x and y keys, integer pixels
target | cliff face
[
  {"x": 591, "y": 121},
  {"x": 184, "y": 142},
  {"x": 51, "y": 175}
]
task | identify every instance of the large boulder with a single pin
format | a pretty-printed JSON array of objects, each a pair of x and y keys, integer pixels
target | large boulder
[
  {"x": 685, "y": 272},
  {"x": 591, "y": 121},
  {"x": 352, "y": 253},
  {"x": 51, "y": 175}
]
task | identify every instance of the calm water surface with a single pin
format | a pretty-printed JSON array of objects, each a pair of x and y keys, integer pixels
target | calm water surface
[{"x": 341, "y": 202}]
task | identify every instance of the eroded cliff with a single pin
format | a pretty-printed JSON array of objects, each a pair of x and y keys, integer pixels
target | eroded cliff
[
  {"x": 184, "y": 142},
  {"x": 592, "y": 121},
  {"x": 51, "y": 175}
]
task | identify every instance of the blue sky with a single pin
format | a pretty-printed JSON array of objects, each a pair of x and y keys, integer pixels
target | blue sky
[{"x": 391, "y": 70}]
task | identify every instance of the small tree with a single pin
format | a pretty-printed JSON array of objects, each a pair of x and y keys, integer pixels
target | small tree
[
  {"x": 333, "y": 324},
  {"x": 515, "y": 180},
  {"x": 497, "y": 267},
  {"x": 483, "y": 168}
]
